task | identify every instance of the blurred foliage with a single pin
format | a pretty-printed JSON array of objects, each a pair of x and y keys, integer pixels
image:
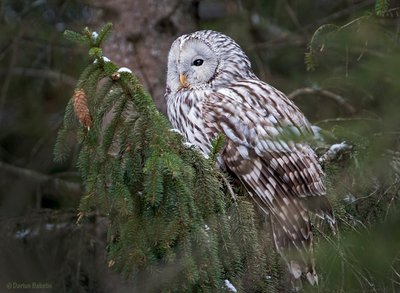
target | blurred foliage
[
  {"x": 38, "y": 68},
  {"x": 342, "y": 52}
]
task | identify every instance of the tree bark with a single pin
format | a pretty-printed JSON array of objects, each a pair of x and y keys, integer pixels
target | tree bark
[{"x": 143, "y": 34}]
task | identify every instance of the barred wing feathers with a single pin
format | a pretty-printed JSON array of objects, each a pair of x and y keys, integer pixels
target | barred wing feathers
[{"x": 280, "y": 175}]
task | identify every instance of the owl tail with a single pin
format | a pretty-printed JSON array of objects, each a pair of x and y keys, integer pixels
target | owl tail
[{"x": 297, "y": 252}]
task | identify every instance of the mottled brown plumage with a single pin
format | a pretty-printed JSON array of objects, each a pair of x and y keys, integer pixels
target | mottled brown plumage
[{"x": 211, "y": 89}]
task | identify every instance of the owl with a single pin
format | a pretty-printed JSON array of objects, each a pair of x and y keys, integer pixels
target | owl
[{"x": 211, "y": 89}]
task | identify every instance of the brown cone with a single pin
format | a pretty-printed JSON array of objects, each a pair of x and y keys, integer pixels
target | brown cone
[{"x": 81, "y": 108}]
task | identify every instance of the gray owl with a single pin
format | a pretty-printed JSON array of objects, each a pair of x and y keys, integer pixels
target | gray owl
[{"x": 211, "y": 89}]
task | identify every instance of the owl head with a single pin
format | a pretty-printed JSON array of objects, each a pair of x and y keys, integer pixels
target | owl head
[{"x": 205, "y": 59}]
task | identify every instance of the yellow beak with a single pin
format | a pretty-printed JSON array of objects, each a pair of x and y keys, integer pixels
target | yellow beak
[{"x": 182, "y": 80}]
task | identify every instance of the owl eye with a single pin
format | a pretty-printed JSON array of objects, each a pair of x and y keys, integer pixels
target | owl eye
[{"x": 198, "y": 62}]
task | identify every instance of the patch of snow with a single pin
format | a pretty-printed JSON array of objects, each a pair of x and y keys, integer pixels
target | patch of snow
[
  {"x": 105, "y": 59},
  {"x": 349, "y": 198},
  {"x": 189, "y": 145},
  {"x": 195, "y": 147},
  {"x": 94, "y": 35},
  {"x": 339, "y": 147},
  {"x": 124, "y": 69},
  {"x": 230, "y": 286},
  {"x": 335, "y": 151},
  {"x": 175, "y": 130},
  {"x": 20, "y": 234}
]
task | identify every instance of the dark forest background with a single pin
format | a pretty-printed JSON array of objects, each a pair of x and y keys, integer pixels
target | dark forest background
[{"x": 338, "y": 60}]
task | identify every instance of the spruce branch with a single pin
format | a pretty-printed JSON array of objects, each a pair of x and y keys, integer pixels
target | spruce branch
[
  {"x": 317, "y": 43},
  {"x": 217, "y": 145},
  {"x": 103, "y": 34},
  {"x": 75, "y": 37},
  {"x": 165, "y": 202},
  {"x": 381, "y": 7}
]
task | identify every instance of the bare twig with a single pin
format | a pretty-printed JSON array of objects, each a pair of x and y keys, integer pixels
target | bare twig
[
  {"x": 44, "y": 138},
  {"x": 341, "y": 119},
  {"x": 41, "y": 73},
  {"x": 337, "y": 98},
  {"x": 287, "y": 40},
  {"x": 351, "y": 9},
  {"x": 294, "y": 39},
  {"x": 292, "y": 15},
  {"x": 229, "y": 186},
  {"x": 7, "y": 79},
  {"x": 59, "y": 185}
]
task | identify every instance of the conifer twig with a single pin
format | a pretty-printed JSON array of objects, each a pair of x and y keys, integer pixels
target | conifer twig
[{"x": 230, "y": 189}]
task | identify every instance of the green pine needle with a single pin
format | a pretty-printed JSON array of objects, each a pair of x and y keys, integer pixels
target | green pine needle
[{"x": 166, "y": 204}]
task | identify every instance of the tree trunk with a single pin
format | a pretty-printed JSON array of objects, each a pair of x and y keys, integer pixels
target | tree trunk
[{"x": 143, "y": 34}]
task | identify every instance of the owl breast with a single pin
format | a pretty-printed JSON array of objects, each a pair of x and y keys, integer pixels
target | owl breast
[{"x": 184, "y": 110}]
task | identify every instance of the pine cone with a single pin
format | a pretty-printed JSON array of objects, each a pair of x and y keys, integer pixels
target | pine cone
[{"x": 81, "y": 108}]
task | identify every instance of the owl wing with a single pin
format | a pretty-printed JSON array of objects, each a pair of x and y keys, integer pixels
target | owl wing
[{"x": 280, "y": 174}]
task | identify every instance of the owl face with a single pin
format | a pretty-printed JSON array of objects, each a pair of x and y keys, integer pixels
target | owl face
[
  {"x": 205, "y": 59},
  {"x": 191, "y": 64}
]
